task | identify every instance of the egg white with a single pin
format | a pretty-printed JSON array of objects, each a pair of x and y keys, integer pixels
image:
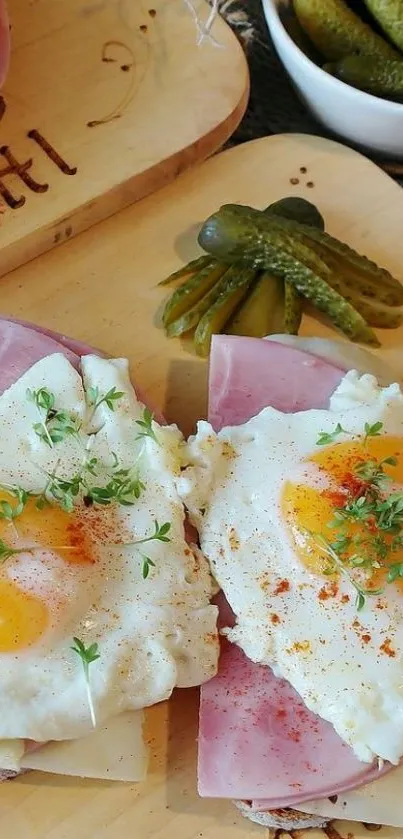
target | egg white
[
  {"x": 153, "y": 634},
  {"x": 233, "y": 487}
]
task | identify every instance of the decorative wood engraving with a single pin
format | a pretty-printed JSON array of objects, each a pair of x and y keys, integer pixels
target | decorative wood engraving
[{"x": 22, "y": 169}]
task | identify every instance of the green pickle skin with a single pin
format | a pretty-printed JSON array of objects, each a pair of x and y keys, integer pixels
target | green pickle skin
[
  {"x": 389, "y": 14},
  {"x": 379, "y": 76},
  {"x": 337, "y": 32},
  {"x": 284, "y": 248}
]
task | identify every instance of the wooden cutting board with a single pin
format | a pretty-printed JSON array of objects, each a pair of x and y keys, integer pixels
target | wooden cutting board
[
  {"x": 105, "y": 102},
  {"x": 101, "y": 287}
]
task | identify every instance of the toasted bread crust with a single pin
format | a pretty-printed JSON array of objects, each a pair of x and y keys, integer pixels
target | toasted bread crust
[{"x": 286, "y": 819}]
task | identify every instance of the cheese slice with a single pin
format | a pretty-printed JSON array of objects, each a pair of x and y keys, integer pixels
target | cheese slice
[
  {"x": 11, "y": 753},
  {"x": 379, "y": 802},
  {"x": 115, "y": 751}
]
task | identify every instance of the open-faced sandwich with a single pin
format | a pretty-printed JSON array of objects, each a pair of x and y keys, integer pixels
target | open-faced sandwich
[
  {"x": 295, "y": 487},
  {"x": 104, "y": 606}
]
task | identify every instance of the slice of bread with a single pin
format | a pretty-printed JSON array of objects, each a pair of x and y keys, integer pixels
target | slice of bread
[{"x": 286, "y": 819}]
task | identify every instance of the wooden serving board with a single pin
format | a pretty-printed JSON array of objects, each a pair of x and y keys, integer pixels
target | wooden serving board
[
  {"x": 101, "y": 287},
  {"x": 105, "y": 102}
]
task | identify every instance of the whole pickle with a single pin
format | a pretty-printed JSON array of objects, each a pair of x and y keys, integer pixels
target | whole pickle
[
  {"x": 297, "y": 209},
  {"x": 379, "y": 76},
  {"x": 337, "y": 32},
  {"x": 389, "y": 13}
]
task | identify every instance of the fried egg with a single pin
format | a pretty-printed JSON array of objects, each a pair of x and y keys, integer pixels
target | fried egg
[
  {"x": 92, "y": 570},
  {"x": 263, "y": 497}
]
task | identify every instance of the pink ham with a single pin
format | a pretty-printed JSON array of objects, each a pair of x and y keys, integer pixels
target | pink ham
[
  {"x": 257, "y": 740},
  {"x": 70, "y": 347},
  {"x": 21, "y": 347},
  {"x": 77, "y": 347},
  {"x": 247, "y": 374}
]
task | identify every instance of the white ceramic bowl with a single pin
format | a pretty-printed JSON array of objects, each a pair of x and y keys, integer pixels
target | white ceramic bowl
[{"x": 361, "y": 118}]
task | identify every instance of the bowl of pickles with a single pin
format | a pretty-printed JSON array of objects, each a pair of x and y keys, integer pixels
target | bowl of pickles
[{"x": 345, "y": 59}]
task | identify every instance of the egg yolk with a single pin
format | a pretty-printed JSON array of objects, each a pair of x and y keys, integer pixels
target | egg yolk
[
  {"x": 308, "y": 508},
  {"x": 24, "y": 616}
]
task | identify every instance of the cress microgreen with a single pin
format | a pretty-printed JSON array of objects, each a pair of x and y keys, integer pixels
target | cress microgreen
[
  {"x": 54, "y": 425},
  {"x": 95, "y": 398},
  {"x": 372, "y": 430},
  {"x": 336, "y": 563},
  {"x": 147, "y": 564},
  {"x": 146, "y": 426},
  {"x": 160, "y": 534},
  {"x": 9, "y": 512},
  {"x": 325, "y": 438},
  {"x": 121, "y": 489},
  {"x": 367, "y": 529},
  {"x": 87, "y": 655},
  {"x": 6, "y": 552},
  {"x": 395, "y": 572}
]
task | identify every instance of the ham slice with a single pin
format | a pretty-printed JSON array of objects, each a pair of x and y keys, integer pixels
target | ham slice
[
  {"x": 247, "y": 374},
  {"x": 21, "y": 347},
  {"x": 77, "y": 347},
  {"x": 257, "y": 740}
]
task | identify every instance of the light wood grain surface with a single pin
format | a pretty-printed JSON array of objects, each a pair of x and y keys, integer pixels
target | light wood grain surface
[
  {"x": 101, "y": 287},
  {"x": 161, "y": 102}
]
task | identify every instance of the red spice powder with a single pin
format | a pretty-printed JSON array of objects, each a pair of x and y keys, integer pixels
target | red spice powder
[
  {"x": 78, "y": 539},
  {"x": 282, "y": 587},
  {"x": 387, "y": 649},
  {"x": 330, "y": 590}
]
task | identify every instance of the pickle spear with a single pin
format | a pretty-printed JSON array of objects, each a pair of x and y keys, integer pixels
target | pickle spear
[
  {"x": 379, "y": 76},
  {"x": 273, "y": 306},
  {"x": 269, "y": 308},
  {"x": 293, "y": 309},
  {"x": 219, "y": 313},
  {"x": 234, "y": 235},
  {"x": 192, "y": 291},
  {"x": 234, "y": 277},
  {"x": 379, "y": 315},
  {"x": 262, "y": 312},
  {"x": 389, "y": 13},
  {"x": 190, "y": 268},
  {"x": 358, "y": 272},
  {"x": 337, "y": 32},
  {"x": 348, "y": 267}
]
